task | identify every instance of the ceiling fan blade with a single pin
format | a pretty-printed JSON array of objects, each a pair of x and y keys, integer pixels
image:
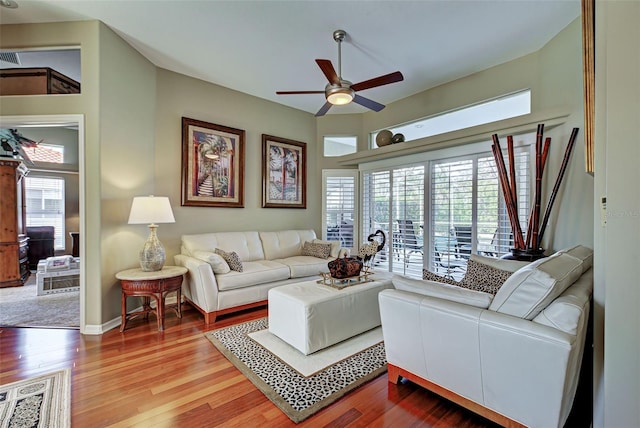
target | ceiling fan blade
[
  {"x": 378, "y": 81},
  {"x": 366, "y": 102},
  {"x": 298, "y": 92},
  {"x": 325, "y": 108},
  {"x": 329, "y": 71}
]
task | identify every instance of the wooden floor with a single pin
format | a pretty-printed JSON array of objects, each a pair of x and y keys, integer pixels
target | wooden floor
[{"x": 177, "y": 378}]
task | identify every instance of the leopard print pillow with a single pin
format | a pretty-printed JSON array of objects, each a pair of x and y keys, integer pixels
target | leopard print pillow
[
  {"x": 321, "y": 251},
  {"x": 430, "y": 276},
  {"x": 232, "y": 259},
  {"x": 485, "y": 278}
]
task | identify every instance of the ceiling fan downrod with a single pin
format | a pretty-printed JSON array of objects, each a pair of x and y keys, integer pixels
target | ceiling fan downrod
[{"x": 339, "y": 36}]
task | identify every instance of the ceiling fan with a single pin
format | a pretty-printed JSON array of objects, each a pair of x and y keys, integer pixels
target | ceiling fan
[{"x": 340, "y": 91}]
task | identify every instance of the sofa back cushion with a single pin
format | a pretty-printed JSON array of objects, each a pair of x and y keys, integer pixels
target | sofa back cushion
[
  {"x": 285, "y": 243},
  {"x": 246, "y": 244},
  {"x": 583, "y": 253},
  {"x": 530, "y": 289}
]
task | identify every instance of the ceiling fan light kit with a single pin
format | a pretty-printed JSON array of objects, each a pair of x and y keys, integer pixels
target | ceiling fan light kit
[{"x": 340, "y": 91}]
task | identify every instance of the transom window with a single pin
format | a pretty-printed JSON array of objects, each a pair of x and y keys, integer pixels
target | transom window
[{"x": 504, "y": 107}]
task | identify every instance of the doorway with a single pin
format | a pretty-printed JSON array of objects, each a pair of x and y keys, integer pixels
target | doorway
[{"x": 36, "y": 128}]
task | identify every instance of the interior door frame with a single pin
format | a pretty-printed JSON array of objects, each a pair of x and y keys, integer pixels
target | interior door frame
[{"x": 55, "y": 121}]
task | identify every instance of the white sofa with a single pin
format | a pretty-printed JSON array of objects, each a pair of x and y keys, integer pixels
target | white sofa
[
  {"x": 269, "y": 259},
  {"x": 514, "y": 357}
]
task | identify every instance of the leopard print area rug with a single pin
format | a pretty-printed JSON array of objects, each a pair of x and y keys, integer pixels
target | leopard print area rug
[{"x": 297, "y": 396}]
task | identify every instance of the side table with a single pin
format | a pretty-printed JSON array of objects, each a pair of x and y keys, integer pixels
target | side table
[{"x": 156, "y": 285}]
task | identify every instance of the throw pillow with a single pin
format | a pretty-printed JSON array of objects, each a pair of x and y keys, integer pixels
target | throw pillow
[
  {"x": 335, "y": 246},
  {"x": 483, "y": 277},
  {"x": 218, "y": 264},
  {"x": 430, "y": 276},
  {"x": 321, "y": 251},
  {"x": 232, "y": 259}
]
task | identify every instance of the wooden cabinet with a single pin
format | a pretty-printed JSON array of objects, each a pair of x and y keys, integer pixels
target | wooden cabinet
[
  {"x": 36, "y": 81},
  {"x": 14, "y": 267}
]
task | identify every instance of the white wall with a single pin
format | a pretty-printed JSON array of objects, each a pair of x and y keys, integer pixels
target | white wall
[{"x": 617, "y": 295}]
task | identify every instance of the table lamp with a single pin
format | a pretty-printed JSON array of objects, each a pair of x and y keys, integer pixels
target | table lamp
[{"x": 151, "y": 210}]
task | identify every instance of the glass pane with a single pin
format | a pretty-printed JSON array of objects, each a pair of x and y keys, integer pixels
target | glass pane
[{"x": 338, "y": 146}]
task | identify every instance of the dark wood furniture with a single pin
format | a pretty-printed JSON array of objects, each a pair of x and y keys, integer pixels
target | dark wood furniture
[
  {"x": 14, "y": 268},
  {"x": 41, "y": 240},
  {"x": 36, "y": 81},
  {"x": 148, "y": 285},
  {"x": 75, "y": 243}
]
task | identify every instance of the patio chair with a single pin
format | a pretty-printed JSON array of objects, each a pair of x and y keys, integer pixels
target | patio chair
[
  {"x": 464, "y": 236},
  {"x": 446, "y": 259},
  {"x": 406, "y": 241}
]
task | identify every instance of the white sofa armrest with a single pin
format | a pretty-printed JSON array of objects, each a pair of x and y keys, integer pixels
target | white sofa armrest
[{"x": 200, "y": 284}]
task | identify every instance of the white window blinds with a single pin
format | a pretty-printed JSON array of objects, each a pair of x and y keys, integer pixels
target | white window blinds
[
  {"x": 393, "y": 201},
  {"x": 467, "y": 211},
  {"x": 45, "y": 205},
  {"x": 339, "y": 207}
]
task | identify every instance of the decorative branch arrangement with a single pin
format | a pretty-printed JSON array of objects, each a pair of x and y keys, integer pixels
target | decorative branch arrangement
[{"x": 535, "y": 229}]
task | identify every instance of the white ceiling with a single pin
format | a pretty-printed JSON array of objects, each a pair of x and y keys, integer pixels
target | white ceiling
[{"x": 260, "y": 47}]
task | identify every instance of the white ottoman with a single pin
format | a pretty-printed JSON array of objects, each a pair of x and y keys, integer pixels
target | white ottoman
[{"x": 311, "y": 316}]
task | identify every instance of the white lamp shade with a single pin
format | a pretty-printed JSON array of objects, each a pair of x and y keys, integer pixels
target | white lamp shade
[{"x": 150, "y": 210}]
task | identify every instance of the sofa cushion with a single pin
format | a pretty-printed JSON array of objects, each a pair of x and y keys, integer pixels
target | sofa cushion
[
  {"x": 232, "y": 259},
  {"x": 335, "y": 247},
  {"x": 529, "y": 290},
  {"x": 566, "y": 311},
  {"x": 484, "y": 277},
  {"x": 318, "y": 250},
  {"x": 301, "y": 266},
  {"x": 583, "y": 253},
  {"x": 246, "y": 244},
  {"x": 254, "y": 273},
  {"x": 218, "y": 264},
  {"x": 443, "y": 291},
  {"x": 285, "y": 243}
]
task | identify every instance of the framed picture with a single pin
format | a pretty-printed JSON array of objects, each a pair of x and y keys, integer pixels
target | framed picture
[
  {"x": 284, "y": 173},
  {"x": 212, "y": 165}
]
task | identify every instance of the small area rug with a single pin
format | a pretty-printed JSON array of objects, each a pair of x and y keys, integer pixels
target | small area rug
[
  {"x": 22, "y": 307},
  {"x": 332, "y": 372},
  {"x": 43, "y": 402}
]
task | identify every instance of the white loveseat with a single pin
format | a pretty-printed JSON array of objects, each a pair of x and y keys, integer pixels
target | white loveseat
[
  {"x": 514, "y": 357},
  {"x": 269, "y": 259}
]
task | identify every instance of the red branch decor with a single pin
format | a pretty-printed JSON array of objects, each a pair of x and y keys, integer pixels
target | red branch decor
[{"x": 535, "y": 229}]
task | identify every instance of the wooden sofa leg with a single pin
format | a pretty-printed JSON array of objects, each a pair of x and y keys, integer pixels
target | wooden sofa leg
[
  {"x": 393, "y": 373},
  {"x": 209, "y": 318}
]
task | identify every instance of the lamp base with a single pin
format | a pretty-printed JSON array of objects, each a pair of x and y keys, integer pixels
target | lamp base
[{"x": 152, "y": 255}]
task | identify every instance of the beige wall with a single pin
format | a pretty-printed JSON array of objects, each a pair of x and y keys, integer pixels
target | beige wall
[
  {"x": 85, "y": 35},
  {"x": 179, "y": 96}
]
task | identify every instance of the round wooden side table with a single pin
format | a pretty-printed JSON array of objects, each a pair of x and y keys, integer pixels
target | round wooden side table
[{"x": 156, "y": 285}]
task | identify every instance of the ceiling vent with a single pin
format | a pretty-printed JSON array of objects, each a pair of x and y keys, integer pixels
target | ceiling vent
[{"x": 11, "y": 57}]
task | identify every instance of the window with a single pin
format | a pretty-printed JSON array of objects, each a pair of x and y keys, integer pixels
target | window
[
  {"x": 393, "y": 201},
  {"x": 440, "y": 211},
  {"x": 338, "y": 146},
  {"x": 503, "y": 107},
  {"x": 467, "y": 211},
  {"x": 45, "y": 205},
  {"x": 339, "y": 210}
]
